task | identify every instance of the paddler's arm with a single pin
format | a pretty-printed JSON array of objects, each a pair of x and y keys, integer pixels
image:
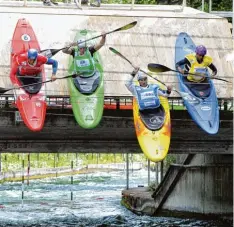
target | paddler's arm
[
  {"x": 54, "y": 64},
  {"x": 69, "y": 49},
  {"x": 214, "y": 69},
  {"x": 165, "y": 93},
  {"x": 101, "y": 43},
  {"x": 14, "y": 70},
  {"x": 180, "y": 63},
  {"x": 130, "y": 84}
]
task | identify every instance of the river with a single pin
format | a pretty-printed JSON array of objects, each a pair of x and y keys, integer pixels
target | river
[{"x": 92, "y": 200}]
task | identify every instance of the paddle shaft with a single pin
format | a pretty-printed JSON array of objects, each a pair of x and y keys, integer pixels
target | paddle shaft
[
  {"x": 43, "y": 82},
  {"x": 163, "y": 68},
  {"x": 51, "y": 52}
]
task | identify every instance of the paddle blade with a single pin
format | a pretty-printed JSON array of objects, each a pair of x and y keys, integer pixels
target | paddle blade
[
  {"x": 119, "y": 54},
  {"x": 126, "y": 27},
  {"x": 3, "y": 90},
  {"x": 157, "y": 68},
  {"x": 49, "y": 52}
]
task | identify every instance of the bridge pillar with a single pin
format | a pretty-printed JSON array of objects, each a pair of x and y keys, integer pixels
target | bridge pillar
[
  {"x": 199, "y": 186},
  {"x": 202, "y": 186}
]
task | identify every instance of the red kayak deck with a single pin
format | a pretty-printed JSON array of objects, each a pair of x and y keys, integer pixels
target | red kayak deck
[{"x": 32, "y": 107}]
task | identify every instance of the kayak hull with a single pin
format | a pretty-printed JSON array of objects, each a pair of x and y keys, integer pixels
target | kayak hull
[
  {"x": 154, "y": 144},
  {"x": 203, "y": 110},
  {"x": 87, "y": 108},
  {"x": 32, "y": 107}
]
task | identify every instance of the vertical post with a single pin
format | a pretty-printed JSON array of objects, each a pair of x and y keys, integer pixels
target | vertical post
[
  {"x": 22, "y": 189},
  {"x": 25, "y": 3},
  {"x": 203, "y": 6},
  {"x": 28, "y": 169},
  {"x": 210, "y": 6},
  {"x": 71, "y": 180},
  {"x": 127, "y": 169},
  {"x": 184, "y": 4},
  {"x": 161, "y": 171},
  {"x": 148, "y": 172},
  {"x": 133, "y": 2},
  {"x": 156, "y": 173},
  {"x": 38, "y": 160}
]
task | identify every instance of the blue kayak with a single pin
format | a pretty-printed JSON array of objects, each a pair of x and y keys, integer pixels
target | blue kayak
[{"x": 199, "y": 99}]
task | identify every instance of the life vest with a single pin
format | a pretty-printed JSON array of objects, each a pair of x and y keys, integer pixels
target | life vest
[
  {"x": 198, "y": 67},
  {"x": 84, "y": 63},
  {"x": 26, "y": 69},
  {"x": 147, "y": 97}
]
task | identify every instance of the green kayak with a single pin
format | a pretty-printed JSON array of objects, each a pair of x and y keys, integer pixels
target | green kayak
[{"x": 87, "y": 93}]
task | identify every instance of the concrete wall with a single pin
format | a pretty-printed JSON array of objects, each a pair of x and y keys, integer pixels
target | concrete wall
[
  {"x": 208, "y": 190},
  {"x": 152, "y": 40}
]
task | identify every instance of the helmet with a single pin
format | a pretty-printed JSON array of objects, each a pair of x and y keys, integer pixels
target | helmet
[
  {"x": 32, "y": 54},
  {"x": 81, "y": 43},
  {"x": 141, "y": 75},
  {"x": 201, "y": 50}
]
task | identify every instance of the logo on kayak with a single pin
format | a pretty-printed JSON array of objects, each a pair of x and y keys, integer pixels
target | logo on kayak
[
  {"x": 187, "y": 49},
  {"x": 83, "y": 32},
  {"x": 26, "y": 37},
  {"x": 206, "y": 108},
  {"x": 156, "y": 120},
  {"x": 201, "y": 93}
]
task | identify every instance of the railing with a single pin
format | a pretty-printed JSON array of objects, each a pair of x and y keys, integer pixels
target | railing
[{"x": 110, "y": 102}]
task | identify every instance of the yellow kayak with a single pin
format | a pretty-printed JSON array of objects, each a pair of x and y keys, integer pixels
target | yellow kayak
[{"x": 154, "y": 139}]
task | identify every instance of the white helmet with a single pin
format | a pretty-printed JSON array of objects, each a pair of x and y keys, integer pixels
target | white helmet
[
  {"x": 81, "y": 43},
  {"x": 141, "y": 75}
]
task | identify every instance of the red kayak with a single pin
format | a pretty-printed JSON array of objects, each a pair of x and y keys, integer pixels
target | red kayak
[{"x": 32, "y": 107}]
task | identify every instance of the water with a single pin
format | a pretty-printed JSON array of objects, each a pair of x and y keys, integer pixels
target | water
[{"x": 95, "y": 202}]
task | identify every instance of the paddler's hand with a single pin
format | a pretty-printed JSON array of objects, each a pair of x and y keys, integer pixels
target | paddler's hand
[
  {"x": 16, "y": 86},
  {"x": 134, "y": 72},
  {"x": 53, "y": 77},
  {"x": 169, "y": 89},
  {"x": 103, "y": 35},
  {"x": 181, "y": 70}
]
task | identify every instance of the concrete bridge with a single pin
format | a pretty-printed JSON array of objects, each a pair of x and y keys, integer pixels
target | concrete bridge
[{"x": 115, "y": 134}]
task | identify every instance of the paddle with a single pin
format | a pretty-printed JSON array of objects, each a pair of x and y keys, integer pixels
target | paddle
[
  {"x": 3, "y": 90},
  {"x": 51, "y": 52},
  {"x": 182, "y": 94},
  {"x": 157, "y": 68},
  {"x": 119, "y": 54}
]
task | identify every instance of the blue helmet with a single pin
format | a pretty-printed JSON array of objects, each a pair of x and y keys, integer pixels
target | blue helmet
[
  {"x": 32, "y": 54},
  {"x": 201, "y": 50}
]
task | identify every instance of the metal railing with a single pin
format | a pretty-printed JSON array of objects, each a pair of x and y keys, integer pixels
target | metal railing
[{"x": 110, "y": 102}]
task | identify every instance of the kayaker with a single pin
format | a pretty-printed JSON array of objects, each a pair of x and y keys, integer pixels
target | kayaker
[
  {"x": 83, "y": 56},
  {"x": 147, "y": 94},
  {"x": 197, "y": 62},
  {"x": 29, "y": 67}
]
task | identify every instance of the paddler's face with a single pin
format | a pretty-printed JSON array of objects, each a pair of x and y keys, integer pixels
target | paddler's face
[
  {"x": 143, "y": 82},
  {"x": 82, "y": 50},
  {"x": 31, "y": 61},
  {"x": 199, "y": 57}
]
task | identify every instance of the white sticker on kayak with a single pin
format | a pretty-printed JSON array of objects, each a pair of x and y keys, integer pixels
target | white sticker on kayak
[
  {"x": 26, "y": 37},
  {"x": 156, "y": 120},
  {"x": 206, "y": 108},
  {"x": 187, "y": 49}
]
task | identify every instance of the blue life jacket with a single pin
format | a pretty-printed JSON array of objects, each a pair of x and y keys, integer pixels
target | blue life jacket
[{"x": 147, "y": 97}]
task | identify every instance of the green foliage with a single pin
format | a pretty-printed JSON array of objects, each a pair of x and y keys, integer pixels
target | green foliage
[{"x": 16, "y": 162}]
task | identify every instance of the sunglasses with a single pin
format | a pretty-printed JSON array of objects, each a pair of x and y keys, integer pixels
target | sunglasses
[
  {"x": 200, "y": 55},
  {"x": 144, "y": 79}
]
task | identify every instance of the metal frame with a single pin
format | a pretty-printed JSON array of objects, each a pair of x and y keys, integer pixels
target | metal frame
[{"x": 63, "y": 102}]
